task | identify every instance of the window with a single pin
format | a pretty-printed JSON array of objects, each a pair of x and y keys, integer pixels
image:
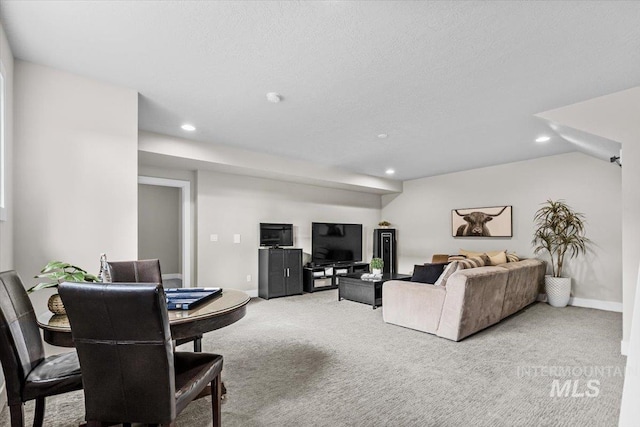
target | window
[{"x": 3, "y": 130}]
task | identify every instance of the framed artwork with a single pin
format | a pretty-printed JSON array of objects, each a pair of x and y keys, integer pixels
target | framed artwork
[{"x": 492, "y": 221}]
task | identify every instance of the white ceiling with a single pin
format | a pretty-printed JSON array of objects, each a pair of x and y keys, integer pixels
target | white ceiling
[{"x": 455, "y": 85}]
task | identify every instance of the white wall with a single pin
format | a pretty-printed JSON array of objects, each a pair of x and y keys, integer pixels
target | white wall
[
  {"x": 75, "y": 170},
  {"x": 159, "y": 226},
  {"x": 233, "y": 204},
  {"x": 422, "y": 214},
  {"x": 6, "y": 227}
]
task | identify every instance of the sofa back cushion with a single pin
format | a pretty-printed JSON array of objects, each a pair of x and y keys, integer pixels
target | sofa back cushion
[{"x": 523, "y": 285}]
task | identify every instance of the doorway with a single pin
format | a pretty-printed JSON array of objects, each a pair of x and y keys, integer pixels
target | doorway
[{"x": 164, "y": 227}]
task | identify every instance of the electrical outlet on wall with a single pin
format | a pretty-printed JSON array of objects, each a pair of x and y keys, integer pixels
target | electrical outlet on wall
[
  {"x": 236, "y": 238},
  {"x": 248, "y": 277},
  {"x": 213, "y": 237}
]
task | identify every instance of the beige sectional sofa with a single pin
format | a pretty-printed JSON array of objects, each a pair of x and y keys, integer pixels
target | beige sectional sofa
[{"x": 471, "y": 300}]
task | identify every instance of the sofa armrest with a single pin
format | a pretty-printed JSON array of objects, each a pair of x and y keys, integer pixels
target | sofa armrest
[
  {"x": 412, "y": 305},
  {"x": 473, "y": 301}
]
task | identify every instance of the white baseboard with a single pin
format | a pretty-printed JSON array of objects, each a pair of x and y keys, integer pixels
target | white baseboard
[
  {"x": 624, "y": 348},
  {"x": 590, "y": 303},
  {"x": 172, "y": 276},
  {"x": 252, "y": 293}
]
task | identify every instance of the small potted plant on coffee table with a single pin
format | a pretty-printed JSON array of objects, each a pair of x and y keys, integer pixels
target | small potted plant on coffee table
[
  {"x": 377, "y": 264},
  {"x": 57, "y": 272}
]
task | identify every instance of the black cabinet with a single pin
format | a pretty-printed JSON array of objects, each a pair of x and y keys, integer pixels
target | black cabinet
[
  {"x": 384, "y": 246},
  {"x": 279, "y": 272}
]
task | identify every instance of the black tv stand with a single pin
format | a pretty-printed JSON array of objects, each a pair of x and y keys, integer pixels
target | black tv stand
[{"x": 327, "y": 276}]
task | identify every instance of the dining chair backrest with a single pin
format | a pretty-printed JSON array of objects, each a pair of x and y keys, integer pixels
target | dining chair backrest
[
  {"x": 121, "y": 332},
  {"x": 139, "y": 271},
  {"x": 21, "y": 347}
]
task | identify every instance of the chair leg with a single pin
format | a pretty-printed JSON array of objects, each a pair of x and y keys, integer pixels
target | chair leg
[
  {"x": 17, "y": 415},
  {"x": 216, "y": 397},
  {"x": 38, "y": 415}
]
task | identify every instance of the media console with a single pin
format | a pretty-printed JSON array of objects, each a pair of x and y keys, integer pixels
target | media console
[{"x": 322, "y": 277}]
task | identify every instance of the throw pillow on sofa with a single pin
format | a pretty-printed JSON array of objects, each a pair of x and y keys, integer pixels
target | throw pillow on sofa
[
  {"x": 473, "y": 262},
  {"x": 512, "y": 257},
  {"x": 470, "y": 254},
  {"x": 448, "y": 271},
  {"x": 501, "y": 258},
  {"x": 428, "y": 273}
]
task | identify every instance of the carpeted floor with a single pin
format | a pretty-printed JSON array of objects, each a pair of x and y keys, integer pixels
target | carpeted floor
[{"x": 310, "y": 360}]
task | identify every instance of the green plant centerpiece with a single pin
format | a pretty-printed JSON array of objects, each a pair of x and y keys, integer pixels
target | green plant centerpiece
[
  {"x": 377, "y": 264},
  {"x": 56, "y": 272},
  {"x": 560, "y": 232}
]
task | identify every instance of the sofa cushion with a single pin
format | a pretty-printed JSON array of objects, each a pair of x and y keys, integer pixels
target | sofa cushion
[
  {"x": 473, "y": 262},
  {"x": 448, "y": 271},
  {"x": 427, "y": 273}
]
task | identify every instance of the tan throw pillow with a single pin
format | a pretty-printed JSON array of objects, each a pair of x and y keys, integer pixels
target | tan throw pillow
[
  {"x": 513, "y": 258},
  {"x": 501, "y": 258},
  {"x": 448, "y": 271},
  {"x": 473, "y": 262},
  {"x": 469, "y": 254},
  {"x": 456, "y": 258}
]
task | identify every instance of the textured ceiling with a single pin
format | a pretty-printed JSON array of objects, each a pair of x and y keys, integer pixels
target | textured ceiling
[{"x": 455, "y": 85}]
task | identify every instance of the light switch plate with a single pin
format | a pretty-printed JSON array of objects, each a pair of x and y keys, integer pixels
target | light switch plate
[
  {"x": 213, "y": 237},
  {"x": 236, "y": 238}
]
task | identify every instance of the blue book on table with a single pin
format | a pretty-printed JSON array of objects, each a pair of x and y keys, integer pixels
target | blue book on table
[{"x": 188, "y": 298}]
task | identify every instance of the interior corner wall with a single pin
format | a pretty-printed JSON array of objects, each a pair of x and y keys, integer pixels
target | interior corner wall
[
  {"x": 7, "y": 227},
  {"x": 631, "y": 227},
  {"x": 76, "y": 170},
  {"x": 422, "y": 214},
  {"x": 233, "y": 204}
]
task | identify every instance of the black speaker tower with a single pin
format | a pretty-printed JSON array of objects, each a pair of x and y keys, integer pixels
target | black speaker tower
[{"x": 384, "y": 246}]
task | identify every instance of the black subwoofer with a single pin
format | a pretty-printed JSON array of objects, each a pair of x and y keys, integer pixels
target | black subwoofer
[{"x": 384, "y": 246}]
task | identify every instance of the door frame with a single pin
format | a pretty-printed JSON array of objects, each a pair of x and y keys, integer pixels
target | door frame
[{"x": 185, "y": 194}]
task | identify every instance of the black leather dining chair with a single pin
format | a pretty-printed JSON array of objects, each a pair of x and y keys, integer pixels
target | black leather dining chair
[
  {"x": 144, "y": 271},
  {"x": 130, "y": 371},
  {"x": 28, "y": 373}
]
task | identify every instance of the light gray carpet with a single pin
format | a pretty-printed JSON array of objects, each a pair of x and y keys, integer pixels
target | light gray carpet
[{"x": 310, "y": 360}]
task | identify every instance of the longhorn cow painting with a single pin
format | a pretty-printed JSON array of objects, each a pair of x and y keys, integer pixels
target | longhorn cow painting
[{"x": 482, "y": 222}]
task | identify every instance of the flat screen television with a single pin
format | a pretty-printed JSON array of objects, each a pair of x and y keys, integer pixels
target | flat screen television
[
  {"x": 335, "y": 243},
  {"x": 275, "y": 235}
]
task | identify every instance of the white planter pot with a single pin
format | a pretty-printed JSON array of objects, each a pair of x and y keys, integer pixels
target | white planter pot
[
  {"x": 377, "y": 271},
  {"x": 558, "y": 290}
]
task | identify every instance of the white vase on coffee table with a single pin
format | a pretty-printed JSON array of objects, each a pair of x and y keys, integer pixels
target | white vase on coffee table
[{"x": 377, "y": 271}]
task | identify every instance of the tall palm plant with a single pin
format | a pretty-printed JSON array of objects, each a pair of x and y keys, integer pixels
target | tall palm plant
[{"x": 561, "y": 232}]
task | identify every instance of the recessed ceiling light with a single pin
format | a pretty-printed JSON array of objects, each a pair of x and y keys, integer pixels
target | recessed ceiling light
[
  {"x": 188, "y": 127},
  {"x": 274, "y": 97},
  {"x": 382, "y": 135},
  {"x": 390, "y": 171},
  {"x": 543, "y": 138}
]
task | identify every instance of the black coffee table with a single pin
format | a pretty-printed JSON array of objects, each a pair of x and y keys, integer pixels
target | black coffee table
[{"x": 353, "y": 288}]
